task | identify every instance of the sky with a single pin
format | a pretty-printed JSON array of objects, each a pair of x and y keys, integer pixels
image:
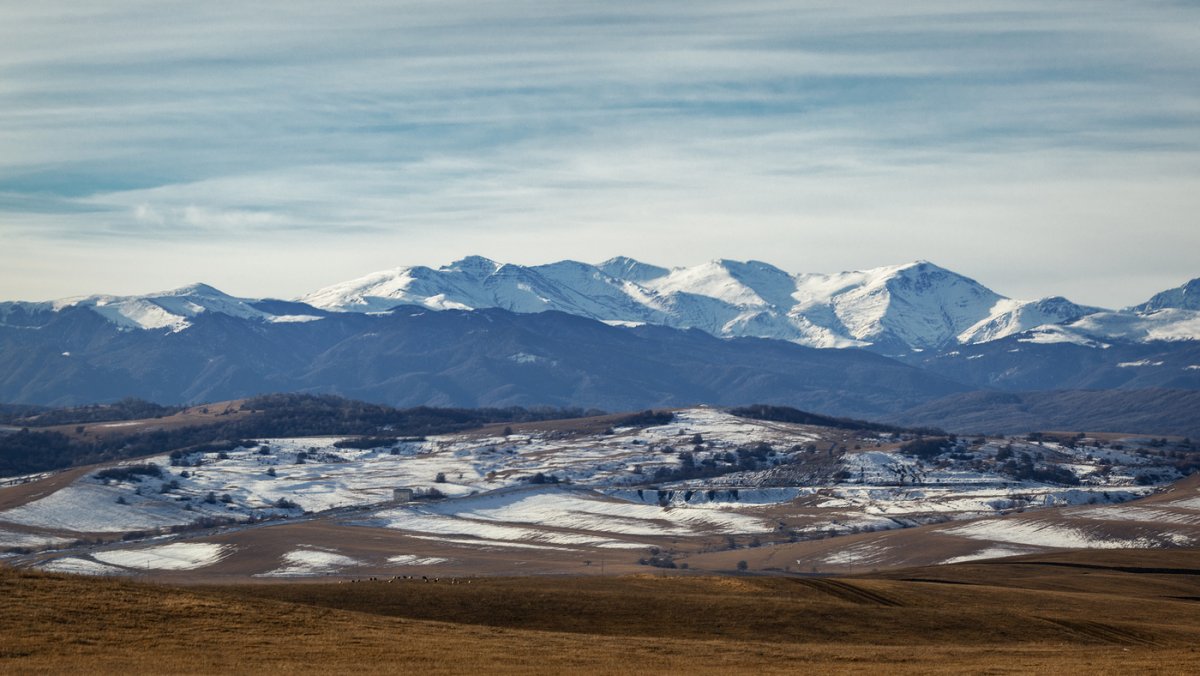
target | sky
[{"x": 272, "y": 148}]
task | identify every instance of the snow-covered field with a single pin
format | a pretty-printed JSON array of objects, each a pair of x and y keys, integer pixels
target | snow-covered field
[
  {"x": 704, "y": 477},
  {"x": 10, "y": 539},
  {"x": 863, "y": 554},
  {"x": 1045, "y": 533},
  {"x": 991, "y": 553},
  {"x": 1138, "y": 514},
  {"x": 79, "y": 566},
  {"x": 559, "y": 517},
  {"x": 314, "y": 475},
  {"x": 308, "y": 561},
  {"x": 413, "y": 560},
  {"x": 998, "y": 498},
  {"x": 589, "y": 512},
  {"x": 89, "y": 507},
  {"x": 175, "y": 556}
]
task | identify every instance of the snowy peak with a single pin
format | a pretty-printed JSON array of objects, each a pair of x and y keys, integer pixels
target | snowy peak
[
  {"x": 922, "y": 278},
  {"x": 476, "y": 267},
  {"x": 719, "y": 279},
  {"x": 930, "y": 305},
  {"x": 915, "y": 305},
  {"x": 774, "y": 286},
  {"x": 169, "y": 310},
  {"x": 1169, "y": 316},
  {"x": 1186, "y": 297},
  {"x": 199, "y": 289},
  {"x": 630, "y": 270},
  {"x": 476, "y": 283},
  {"x": 1010, "y": 317}
]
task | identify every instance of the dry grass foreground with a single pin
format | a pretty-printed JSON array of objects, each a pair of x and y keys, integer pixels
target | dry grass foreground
[{"x": 1115, "y": 612}]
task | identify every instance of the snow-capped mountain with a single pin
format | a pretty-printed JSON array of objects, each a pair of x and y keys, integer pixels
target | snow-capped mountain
[
  {"x": 895, "y": 308},
  {"x": 899, "y": 309},
  {"x": 1010, "y": 317},
  {"x": 934, "y": 333},
  {"x": 1185, "y": 297},
  {"x": 1169, "y": 316},
  {"x": 163, "y": 310},
  {"x": 1167, "y": 324},
  {"x": 475, "y": 283},
  {"x": 918, "y": 305}
]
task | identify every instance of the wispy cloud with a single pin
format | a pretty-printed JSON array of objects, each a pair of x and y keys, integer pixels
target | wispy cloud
[{"x": 1022, "y": 142}]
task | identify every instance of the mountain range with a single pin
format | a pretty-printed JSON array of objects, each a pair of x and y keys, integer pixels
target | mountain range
[
  {"x": 894, "y": 309},
  {"x": 620, "y": 334}
]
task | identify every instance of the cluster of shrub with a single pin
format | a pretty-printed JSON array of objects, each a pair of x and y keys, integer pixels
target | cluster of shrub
[
  {"x": 1025, "y": 469},
  {"x": 542, "y": 478},
  {"x": 11, "y": 414},
  {"x": 928, "y": 448},
  {"x": 1020, "y": 466},
  {"x": 742, "y": 459},
  {"x": 126, "y": 409},
  {"x": 647, "y": 418},
  {"x": 26, "y": 452},
  {"x": 181, "y": 457},
  {"x": 659, "y": 559},
  {"x": 132, "y": 473}
]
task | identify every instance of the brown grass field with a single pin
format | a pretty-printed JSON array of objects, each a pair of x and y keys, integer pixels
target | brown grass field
[
  {"x": 207, "y": 414},
  {"x": 1077, "y": 612}
]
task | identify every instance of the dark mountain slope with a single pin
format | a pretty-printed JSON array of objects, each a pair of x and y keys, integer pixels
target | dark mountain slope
[
  {"x": 1017, "y": 365},
  {"x": 415, "y": 356},
  {"x": 1143, "y": 411}
]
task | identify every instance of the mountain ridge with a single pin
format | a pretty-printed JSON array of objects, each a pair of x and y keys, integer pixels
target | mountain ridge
[
  {"x": 898, "y": 309},
  {"x": 457, "y": 358},
  {"x": 907, "y": 307},
  {"x": 411, "y": 356}
]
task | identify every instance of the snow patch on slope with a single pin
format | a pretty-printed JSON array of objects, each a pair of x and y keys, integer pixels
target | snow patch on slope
[
  {"x": 74, "y": 565},
  {"x": 311, "y": 561},
  {"x": 1048, "y": 534},
  {"x": 414, "y": 560},
  {"x": 177, "y": 556},
  {"x": 997, "y": 552},
  {"x": 10, "y": 539}
]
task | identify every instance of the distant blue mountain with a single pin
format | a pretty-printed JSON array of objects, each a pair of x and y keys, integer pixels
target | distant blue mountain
[{"x": 413, "y": 356}]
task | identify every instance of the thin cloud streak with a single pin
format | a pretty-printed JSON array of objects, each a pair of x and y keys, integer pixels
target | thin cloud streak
[{"x": 823, "y": 136}]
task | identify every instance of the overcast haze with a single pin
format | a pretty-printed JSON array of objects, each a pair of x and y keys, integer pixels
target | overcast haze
[{"x": 273, "y": 148}]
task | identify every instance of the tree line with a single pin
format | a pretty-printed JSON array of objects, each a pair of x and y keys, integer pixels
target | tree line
[
  {"x": 277, "y": 415},
  {"x": 787, "y": 414}
]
